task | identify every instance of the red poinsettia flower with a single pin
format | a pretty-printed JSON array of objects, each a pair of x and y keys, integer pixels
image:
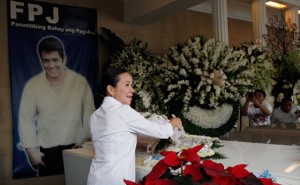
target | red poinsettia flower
[
  {"x": 218, "y": 173},
  {"x": 171, "y": 159},
  {"x": 194, "y": 172},
  {"x": 238, "y": 171},
  {"x": 214, "y": 169},
  {"x": 157, "y": 171},
  {"x": 190, "y": 155},
  {"x": 128, "y": 182},
  {"x": 226, "y": 180}
]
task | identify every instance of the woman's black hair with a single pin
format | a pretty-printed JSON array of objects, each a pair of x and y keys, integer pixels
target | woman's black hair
[{"x": 109, "y": 77}]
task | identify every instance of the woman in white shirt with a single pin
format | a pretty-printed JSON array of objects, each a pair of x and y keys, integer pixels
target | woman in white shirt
[{"x": 114, "y": 128}]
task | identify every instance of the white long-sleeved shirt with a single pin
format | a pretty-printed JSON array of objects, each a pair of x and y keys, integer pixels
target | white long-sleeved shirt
[
  {"x": 49, "y": 119},
  {"x": 278, "y": 116},
  {"x": 114, "y": 129}
]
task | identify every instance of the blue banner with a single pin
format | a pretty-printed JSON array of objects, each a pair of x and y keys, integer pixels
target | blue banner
[{"x": 50, "y": 46}]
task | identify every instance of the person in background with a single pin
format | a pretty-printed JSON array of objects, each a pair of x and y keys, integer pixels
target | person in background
[
  {"x": 287, "y": 112},
  {"x": 257, "y": 110},
  {"x": 114, "y": 129},
  {"x": 55, "y": 108}
]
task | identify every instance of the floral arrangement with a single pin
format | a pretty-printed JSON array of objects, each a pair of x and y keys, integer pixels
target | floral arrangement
[
  {"x": 185, "y": 141},
  {"x": 179, "y": 141},
  {"x": 203, "y": 75},
  {"x": 198, "y": 75},
  {"x": 286, "y": 77},
  {"x": 136, "y": 58},
  {"x": 296, "y": 93},
  {"x": 209, "y": 74},
  {"x": 260, "y": 64},
  {"x": 188, "y": 141},
  {"x": 283, "y": 45},
  {"x": 186, "y": 167}
]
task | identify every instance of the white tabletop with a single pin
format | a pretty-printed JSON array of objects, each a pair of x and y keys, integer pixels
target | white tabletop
[
  {"x": 282, "y": 161},
  {"x": 278, "y": 159}
]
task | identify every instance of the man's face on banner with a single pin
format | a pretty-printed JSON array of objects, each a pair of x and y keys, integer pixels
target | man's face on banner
[{"x": 53, "y": 64}]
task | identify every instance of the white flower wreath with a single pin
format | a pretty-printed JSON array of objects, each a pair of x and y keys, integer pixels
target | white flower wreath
[
  {"x": 205, "y": 76},
  {"x": 196, "y": 74},
  {"x": 209, "y": 118}
]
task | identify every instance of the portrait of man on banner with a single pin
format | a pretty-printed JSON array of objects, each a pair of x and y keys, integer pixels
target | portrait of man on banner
[
  {"x": 55, "y": 108},
  {"x": 54, "y": 73}
]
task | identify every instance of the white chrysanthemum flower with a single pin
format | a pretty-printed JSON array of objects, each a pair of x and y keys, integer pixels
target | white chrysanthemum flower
[
  {"x": 195, "y": 61},
  {"x": 249, "y": 50},
  {"x": 287, "y": 86},
  {"x": 280, "y": 97},
  {"x": 206, "y": 151},
  {"x": 183, "y": 72},
  {"x": 207, "y": 88},
  {"x": 145, "y": 98},
  {"x": 296, "y": 89},
  {"x": 198, "y": 71}
]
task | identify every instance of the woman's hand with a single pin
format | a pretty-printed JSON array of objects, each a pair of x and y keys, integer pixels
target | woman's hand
[{"x": 176, "y": 123}]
